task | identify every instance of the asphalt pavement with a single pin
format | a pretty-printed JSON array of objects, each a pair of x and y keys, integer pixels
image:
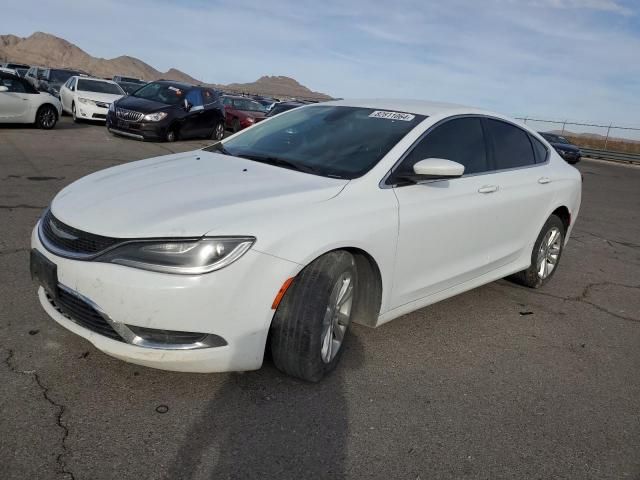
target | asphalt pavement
[{"x": 501, "y": 382}]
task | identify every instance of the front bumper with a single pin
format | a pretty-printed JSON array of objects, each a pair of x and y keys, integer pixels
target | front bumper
[
  {"x": 571, "y": 157},
  {"x": 138, "y": 130},
  {"x": 90, "y": 111},
  {"x": 233, "y": 303}
]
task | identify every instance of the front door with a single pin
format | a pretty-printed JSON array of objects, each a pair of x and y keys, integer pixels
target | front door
[{"x": 447, "y": 228}]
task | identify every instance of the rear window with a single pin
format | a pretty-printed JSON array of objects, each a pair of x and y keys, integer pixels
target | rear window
[{"x": 511, "y": 145}]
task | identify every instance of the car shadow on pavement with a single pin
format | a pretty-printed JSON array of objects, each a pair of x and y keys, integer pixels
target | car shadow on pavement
[{"x": 264, "y": 425}]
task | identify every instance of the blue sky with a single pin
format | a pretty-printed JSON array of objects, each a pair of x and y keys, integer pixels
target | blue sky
[{"x": 564, "y": 59}]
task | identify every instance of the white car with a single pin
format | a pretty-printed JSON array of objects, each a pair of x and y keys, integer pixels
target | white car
[
  {"x": 88, "y": 98},
  {"x": 21, "y": 103},
  {"x": 290, "y": 230}
]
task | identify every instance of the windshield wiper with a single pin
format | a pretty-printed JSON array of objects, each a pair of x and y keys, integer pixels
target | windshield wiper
[{"x": 280, "y": 162}]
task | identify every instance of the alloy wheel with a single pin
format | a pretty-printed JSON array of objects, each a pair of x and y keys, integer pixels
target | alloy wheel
[
  {"x": 337, "y": 317},
  {"x": 549, "y": 252},
  {"x": 47, "y": 118}
]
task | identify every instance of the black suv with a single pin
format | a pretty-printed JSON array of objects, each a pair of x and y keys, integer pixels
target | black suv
[
  {"x": 50, "y": 79},
  {"x": 167, "y": 110},
  {"x": 564, "y": 147}
]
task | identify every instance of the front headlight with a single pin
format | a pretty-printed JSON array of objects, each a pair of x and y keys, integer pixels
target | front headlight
[
  {"x": 186, "y": 257},
  {"x": 155, "y": 117},
  {"x": 85, "y": 100}
]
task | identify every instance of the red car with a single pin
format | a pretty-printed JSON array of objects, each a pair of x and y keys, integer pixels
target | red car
[{"x": 242, "y": 112}]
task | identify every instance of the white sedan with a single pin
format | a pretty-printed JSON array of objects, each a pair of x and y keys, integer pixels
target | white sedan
[
  {"x": 21, "y": 103},
  {"x": 87, "y": 98},
  {"x": 287, "y": 232}
]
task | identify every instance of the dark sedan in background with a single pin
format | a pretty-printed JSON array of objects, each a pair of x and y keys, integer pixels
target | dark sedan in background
[
  {"x": 567, "y": 150},
  {"x": 167, "y": 111}
]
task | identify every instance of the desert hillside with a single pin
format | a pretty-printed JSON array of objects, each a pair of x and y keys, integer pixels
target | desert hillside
[{"x": 51, "y": 51}]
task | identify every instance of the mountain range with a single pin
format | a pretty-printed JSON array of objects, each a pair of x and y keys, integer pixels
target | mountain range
[{"x": 44, "y": 49}]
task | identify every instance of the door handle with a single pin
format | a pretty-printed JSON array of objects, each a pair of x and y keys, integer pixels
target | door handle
[
  {"x": 544, "y": 180},
  {"x": 488, "y": 189}
]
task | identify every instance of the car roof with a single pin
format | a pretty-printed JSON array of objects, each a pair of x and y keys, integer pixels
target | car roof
[{"x": 420, "y": 107}]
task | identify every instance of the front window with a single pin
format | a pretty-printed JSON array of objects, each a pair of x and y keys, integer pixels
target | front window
[
  {"x": 60, "y": 76},
  {"x": 98, "y": 87},
  {"x": 162, "y": 92},
  {"x": 332, "y": 141}
]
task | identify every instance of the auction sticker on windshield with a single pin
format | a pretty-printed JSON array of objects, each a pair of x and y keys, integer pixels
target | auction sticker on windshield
[{"x": 406, "y": 117}]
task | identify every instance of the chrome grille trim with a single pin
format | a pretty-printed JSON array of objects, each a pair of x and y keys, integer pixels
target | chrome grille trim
[{"x": 128, "y": 115}]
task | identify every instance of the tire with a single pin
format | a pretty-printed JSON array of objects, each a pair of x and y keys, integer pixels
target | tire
[
  {"x": 535, "y": 276},
  {"x": 73, "y": 113},
  {"x": 235, "y": 126},
  {"x": 218, "y": 131},
  {"x": 46, "y": 117},
  {"x": 307, "y": 325},
  {"x": 171, "y": 136}
]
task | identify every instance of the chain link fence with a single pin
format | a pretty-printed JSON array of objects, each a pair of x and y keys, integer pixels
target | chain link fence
[{"x": 610, "y": 137}]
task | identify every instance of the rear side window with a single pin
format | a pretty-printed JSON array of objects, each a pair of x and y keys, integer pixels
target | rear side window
[
  {"x": 511, "y": 145},
  {"x": 539, "y": 150},
  {"x": 460, "y": 140},
  {"x": 13, "y": 84}
]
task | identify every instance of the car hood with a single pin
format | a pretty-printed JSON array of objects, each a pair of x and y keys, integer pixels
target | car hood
[
  {"x": 100, "y": 97},
  {"x": 186, "y": 195},
  {"x": 141, "y": 104}
]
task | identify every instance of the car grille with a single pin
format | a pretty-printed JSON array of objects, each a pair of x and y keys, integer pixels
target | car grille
[
  {"x": 72, "y": 240},
  {"x": 128, "y": 115},
  {"x": 78, "y": 311}
]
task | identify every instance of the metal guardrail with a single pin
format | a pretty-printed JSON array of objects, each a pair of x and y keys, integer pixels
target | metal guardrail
[{"x": 609, "y": 155}]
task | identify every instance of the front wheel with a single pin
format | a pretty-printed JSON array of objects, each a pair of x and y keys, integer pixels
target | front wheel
[
  {"x": 73, "y": 113},
  {"x": 236, "y": 125},
  {"x": 171, "y": 135},
  {"x": 309, "y": 328},
  {"x": 46, "y": 117},
  {"x": 545, "y": 256}
]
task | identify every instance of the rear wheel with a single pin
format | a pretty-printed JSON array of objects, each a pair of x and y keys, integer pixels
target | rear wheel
[
  {"x": 46, "y": 117},
  {"x": 218, "y": 131},
  {"x": 545, "y": 256},
  {"x": 236, "y": 125},
  {"x": 309, "y": 328}
]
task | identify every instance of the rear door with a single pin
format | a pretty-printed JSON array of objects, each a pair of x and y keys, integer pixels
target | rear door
[
  {"x": 448, "y": 229},
  {"x": 524, "y": 179}
]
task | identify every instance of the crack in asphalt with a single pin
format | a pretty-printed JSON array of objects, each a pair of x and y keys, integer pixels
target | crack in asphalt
[
  {"x": 21, "y": 205},
  {"x": 62, "y": 465},
  {"x": 610, "y": 242},
  {"x": 583, "y": 297}
]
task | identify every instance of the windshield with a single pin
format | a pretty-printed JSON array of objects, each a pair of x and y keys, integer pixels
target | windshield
[
  {"x": 61, "y": 76},
  {"x": 162, "y": 92},
  {"x": 98, "y": 87},
  {"x": 130, "y": 87},
  {"x": 331, "y": 141}
]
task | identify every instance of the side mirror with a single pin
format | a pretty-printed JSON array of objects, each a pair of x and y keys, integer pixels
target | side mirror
[
  {"x": 196, "y": 108},
  {"x": 3, "y": 88},
  {"x": 433, "y": 169},
  {"x": 438, "y": 168}
]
